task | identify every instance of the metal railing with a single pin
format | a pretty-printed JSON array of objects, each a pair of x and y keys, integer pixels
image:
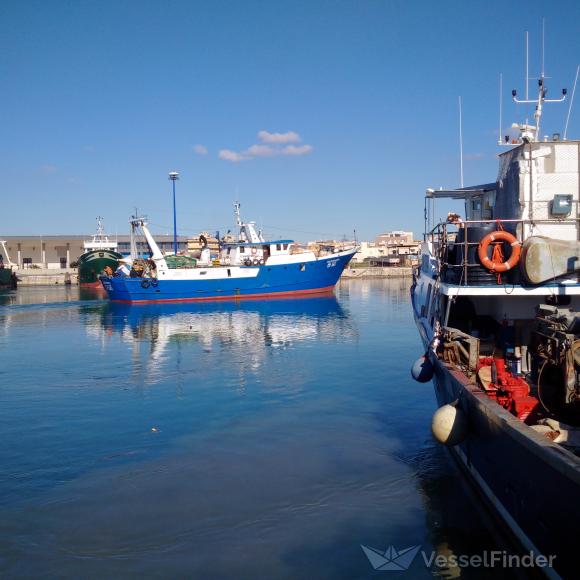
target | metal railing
[{"x": 453, "y": 253}]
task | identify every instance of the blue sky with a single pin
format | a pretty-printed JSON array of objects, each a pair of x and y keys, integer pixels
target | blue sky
[{"x": 329, "y": 115}]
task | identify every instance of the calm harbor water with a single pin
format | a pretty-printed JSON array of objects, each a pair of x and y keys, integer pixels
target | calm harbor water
[{"x": 223, "y": 440}]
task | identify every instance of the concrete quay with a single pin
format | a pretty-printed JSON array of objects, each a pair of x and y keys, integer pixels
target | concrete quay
[
  {"x": 378, "y": 272},
  {"x": 47, "y": 277}
]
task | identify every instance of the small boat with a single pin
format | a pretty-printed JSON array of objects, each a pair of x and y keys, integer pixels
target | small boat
[
  {"x": 8, "y": 277},
  {"x": 496, "y": 300},
  {"x": 100, "y": 253},
  {"x": 250, "y": 267}
]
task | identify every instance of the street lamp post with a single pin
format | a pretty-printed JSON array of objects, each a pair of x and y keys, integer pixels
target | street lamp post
[{"x": 174, "y": 176}]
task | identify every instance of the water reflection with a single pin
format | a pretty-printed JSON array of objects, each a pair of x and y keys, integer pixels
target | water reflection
[
  {"x": 287, "y": 433},
  {"x": 238, "y": 332},
  {"x": 50, "y": 295}
]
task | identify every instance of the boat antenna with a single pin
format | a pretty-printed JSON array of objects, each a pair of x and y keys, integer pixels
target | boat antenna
[
  {"x": 571, "y": 103},
  {"x": 499, "y": 137},
  {"x": 532, "y": 133},
  {"x": 460, "y": 145},
  {"x": 539, "y": 102},
  {"x": 543, "y": 44},
  {"x": 527, "y": 66}
]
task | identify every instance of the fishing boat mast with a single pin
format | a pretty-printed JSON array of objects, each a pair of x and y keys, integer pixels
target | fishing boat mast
[{"x": 248, "y": 231}]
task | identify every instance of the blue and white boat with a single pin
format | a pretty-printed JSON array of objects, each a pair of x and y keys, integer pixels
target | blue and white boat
[{"x": 250, "y": 267}]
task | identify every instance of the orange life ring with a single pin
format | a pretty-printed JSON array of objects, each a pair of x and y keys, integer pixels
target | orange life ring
[
  {"x": 254, "y": 251},
  {"x": 499, "y": 236}
]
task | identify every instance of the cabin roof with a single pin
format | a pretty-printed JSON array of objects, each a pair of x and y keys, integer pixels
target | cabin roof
[{"x": 462, "y": 193}]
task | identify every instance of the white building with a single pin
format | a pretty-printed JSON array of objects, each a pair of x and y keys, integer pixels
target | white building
[{"x": 390, "y": 248}]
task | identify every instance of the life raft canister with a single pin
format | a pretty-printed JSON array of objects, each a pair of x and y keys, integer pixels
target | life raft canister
[{"x": 499, "y": 236}]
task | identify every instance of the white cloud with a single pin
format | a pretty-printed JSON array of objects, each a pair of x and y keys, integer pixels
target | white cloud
[
  {"x": 47, "y": 168},
  {"x": 273, "y": 145},
  {"x": 200, "y": 149},
  {"x": 229, "y": 155},
  {"x": 288, "y": 137},
  {"x": 297, "y": 150},
  {"x": 260, "y": 151}
]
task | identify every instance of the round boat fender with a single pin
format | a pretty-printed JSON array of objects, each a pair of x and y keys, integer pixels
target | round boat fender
[
  {"x": 145, "y": 283},
  {"x": 154, "y": 282},
  {"x": 422, "y": 369},
  {"x": 499, "y": 236},
  {"x": 247, "y": 262},
  {"x": 256, "y": 262},
  {"x": 261, "y": 261},
  {"x": 449, "y": 424}
]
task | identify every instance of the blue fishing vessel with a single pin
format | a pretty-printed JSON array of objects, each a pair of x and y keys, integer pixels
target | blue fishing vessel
[{"x": 249, "y": 267}]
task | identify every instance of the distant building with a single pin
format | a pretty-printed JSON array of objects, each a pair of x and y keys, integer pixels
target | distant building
[
  {"x": 61, "y": 251},
  {"x": 395, "y": 248},
  {"x": 395, "y": 238}
]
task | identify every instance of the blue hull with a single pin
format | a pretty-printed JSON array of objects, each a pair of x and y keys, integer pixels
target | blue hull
[{"x": 289, "y": 279}]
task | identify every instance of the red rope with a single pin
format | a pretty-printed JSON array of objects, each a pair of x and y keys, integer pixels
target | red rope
[{"x": 497, "y": 257}]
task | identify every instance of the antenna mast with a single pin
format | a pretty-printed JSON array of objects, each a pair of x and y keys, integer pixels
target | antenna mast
[
  {"x": 527, "y": 67},
  {"x": 543, "y": 44},
  {"x": 237, "y": 213},
  {"x": 533, "y": 133},
  {"x": 499, "y": 137},
  {"x": 539, "y": 104},
  {"x": 571, "y": 103},
  {"x": 460, "y": 144}
]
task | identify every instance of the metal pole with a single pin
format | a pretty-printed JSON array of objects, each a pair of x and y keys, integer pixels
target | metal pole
[
  {"x": 174, "y": 222},
  {"x": 173, "y": 176}
]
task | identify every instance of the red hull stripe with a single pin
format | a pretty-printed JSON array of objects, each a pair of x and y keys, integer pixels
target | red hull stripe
[{"x": 326, "y": 289}]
